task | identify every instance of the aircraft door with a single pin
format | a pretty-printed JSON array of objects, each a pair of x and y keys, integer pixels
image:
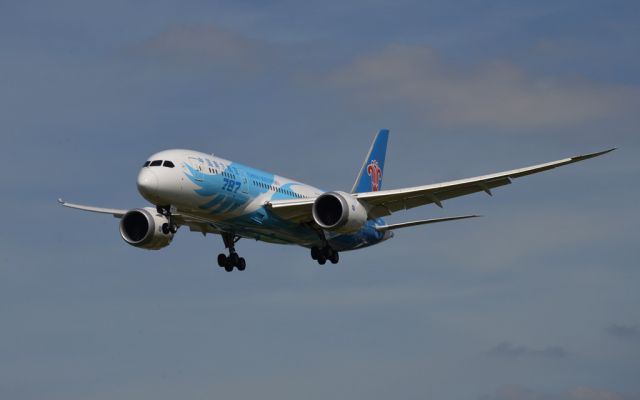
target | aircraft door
[
  {"x": 197, "y": 168},
  {"x": 244, "y": 180}
]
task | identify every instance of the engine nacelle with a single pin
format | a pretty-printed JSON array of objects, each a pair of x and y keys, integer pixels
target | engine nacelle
[
  {"x": 142, "y": 227},
  {"x": 339, "y": 212}
]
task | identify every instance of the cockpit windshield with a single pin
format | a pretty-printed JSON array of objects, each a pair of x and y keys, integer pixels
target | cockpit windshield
[{"x": 158, "y": 163}]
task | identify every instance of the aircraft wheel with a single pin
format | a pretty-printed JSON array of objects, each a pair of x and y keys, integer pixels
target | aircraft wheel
[
  {"x": 222, "y": 260},
  {"x": 228, "y": 267},
  {"x": 234, "y": 259},
  {"x": 242, "y": 264},
  {"x": 335, "y": 257},
  {"x": 173, "y": 229},
  {"x": 315, "y": 253},
  {"x": 328, "y": 252},
  {"x": 322, "y": 260},
  {"x": 166, "y": 229}
]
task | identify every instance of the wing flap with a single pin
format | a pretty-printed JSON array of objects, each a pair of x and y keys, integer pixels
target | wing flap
[{"x": 405, "y": 201}]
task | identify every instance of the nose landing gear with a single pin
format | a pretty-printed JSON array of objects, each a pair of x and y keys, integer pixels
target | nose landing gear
[
  {"x": 233, "y": 259},
  {"x": 169, "y": 227}
]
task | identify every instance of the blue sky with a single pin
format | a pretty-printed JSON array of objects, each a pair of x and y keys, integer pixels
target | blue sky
[{"x": 537, "y": 300}]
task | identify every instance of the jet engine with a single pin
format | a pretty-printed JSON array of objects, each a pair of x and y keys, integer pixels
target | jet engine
[
  {"x": 143, "y": 227},
  {"x": 339, "y": 212}
]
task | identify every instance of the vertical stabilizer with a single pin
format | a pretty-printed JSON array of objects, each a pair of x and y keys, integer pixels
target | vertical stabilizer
[{"x": 370, "y": 177}]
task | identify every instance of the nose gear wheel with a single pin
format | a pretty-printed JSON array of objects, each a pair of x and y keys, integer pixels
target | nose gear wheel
[{"x": 169, "y": 227}]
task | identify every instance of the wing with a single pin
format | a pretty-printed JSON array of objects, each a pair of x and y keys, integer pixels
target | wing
[
  {"x": 194, "y": 223},
  {"x": 386, "y": 202},
  {"x": 113, "y": 211},
  {"x": 295, "y": 210}
]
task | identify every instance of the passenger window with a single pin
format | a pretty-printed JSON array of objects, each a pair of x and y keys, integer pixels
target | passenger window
[
  {"x": 156, "y": 163},
  {"x": 168, "y": 164},
  {"x": 146, "y": 164}
]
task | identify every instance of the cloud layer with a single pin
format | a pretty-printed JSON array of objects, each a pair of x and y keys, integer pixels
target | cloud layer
[
  {"x": 508, "y": 350},
  {"x": 624, "y": 331},
  {"x": 495, "y": 94}
]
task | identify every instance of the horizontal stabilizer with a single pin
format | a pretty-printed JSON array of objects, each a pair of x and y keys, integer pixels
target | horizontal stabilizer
[{"x": 384, "y": 228}]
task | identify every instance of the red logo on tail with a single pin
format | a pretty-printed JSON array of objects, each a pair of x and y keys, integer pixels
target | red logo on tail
[{"x": 374, "y": 171}]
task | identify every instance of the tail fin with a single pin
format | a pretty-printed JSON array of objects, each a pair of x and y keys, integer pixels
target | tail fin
[{"x": 370, "y": 176}]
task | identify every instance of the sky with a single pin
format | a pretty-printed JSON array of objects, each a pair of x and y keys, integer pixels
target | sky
[{"x": 536, "y": 300}]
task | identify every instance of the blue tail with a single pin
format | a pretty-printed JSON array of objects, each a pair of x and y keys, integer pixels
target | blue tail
[{"x": 370, "y": 176}]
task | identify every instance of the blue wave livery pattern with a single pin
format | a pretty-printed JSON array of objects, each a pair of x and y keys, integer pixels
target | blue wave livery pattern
[{"x": 261, "y": 223}]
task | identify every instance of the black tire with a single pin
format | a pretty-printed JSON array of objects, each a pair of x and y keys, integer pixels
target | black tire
[
  {"x": 335, "y": 257},
  {"x": 228, "y": 267},
  {"x": 165, "y": 228},
  {"x": 328, "y": 252},
  {"x": 234, "y": 259},
  {"x": 173, "y": 229},
  {"x": 242, "y": 264},
  {"x": 322, "y": 260},
  {"x": 222, "y": 260},
  {"x": 315, "y": 253}
]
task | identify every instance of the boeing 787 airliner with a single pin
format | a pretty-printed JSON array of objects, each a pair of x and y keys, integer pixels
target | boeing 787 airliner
[{"x": 209, "y": 194}]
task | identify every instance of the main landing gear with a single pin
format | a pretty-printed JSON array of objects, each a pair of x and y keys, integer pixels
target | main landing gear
[
  {"x": 323, "y": 254},
  {"x": 233, "y": 259},
  {"x": 169, "y": 227}
]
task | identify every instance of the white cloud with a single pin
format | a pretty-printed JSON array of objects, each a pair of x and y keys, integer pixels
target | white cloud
[
  {"x": 495, "y": 94},
  {"x": 203, "y": 46}
]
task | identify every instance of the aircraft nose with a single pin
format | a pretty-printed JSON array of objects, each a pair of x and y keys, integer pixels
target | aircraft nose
[{"x": 147, "y": 183}]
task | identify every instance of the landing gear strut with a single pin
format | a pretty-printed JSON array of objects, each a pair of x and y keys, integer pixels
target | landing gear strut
[
  {"x": 233, "y": 259},
  {"x": 325, "y": 253},
  {"x": 169, "y": 227}
]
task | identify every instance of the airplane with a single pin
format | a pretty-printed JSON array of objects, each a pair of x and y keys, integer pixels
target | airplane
[{"x": 209, "y": 194}]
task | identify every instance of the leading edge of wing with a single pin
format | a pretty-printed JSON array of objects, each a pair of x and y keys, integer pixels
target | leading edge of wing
[
  {"x": 514, "y": 173},
  {"x": 113, "y": 211}
]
